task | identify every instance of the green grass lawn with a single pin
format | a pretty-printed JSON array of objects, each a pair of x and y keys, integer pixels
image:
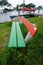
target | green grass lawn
[{"x": 31, "y": 55}]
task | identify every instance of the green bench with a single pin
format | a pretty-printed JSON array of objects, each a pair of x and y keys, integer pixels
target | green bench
[{"x": 16, "y": 37}]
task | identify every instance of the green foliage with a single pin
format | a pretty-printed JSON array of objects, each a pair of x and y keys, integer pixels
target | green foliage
[
  {"x": 4, "y": 2},
  {"x": 17, "y": 7},
  {"x": 9, "y": 5},
  {"x": 31, "y": 5},
  {"x": 22, "y": 5},
  {"x": 31, "y": 55},
  {"x": 39, "y": 8}
]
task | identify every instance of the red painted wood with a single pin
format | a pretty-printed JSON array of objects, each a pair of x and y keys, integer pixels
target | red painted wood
[{"x": 29, "y": 26}]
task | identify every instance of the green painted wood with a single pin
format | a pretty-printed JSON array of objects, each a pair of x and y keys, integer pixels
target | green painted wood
[
  {"x": 12, "y": 42},
  {"x": 21, "y": 42}
]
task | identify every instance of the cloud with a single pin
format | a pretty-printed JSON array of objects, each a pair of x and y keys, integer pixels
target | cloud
[{"x": 36, "y": 2}]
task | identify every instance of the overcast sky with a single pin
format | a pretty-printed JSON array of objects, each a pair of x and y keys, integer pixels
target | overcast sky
[{"x": 36, "y": 2}]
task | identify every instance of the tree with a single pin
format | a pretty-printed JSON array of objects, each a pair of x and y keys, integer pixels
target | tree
[
  {"x": 4, "y": 2},
  {"x": 39, "y": 8},
  {"x": 22, "y": 5},
  {"x": 17, "y": 8},
  {"x": 9, "y": 4},
  {"x": 31, "y": 5}
]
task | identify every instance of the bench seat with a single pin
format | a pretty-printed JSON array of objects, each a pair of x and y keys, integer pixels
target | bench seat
[{"x": 16, "y": 37}]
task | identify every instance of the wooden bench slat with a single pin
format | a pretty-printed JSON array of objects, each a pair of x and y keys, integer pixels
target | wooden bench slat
[
  {"x": 12, "y": 42},
  {"x": 21, "y": 42},
  {"x": 33, "y": 30}
]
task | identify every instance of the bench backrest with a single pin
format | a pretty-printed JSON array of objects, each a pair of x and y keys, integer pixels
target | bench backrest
[{"x": 29, "y": 26}]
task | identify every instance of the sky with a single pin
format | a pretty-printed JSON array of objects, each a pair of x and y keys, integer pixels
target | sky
[{"x": 36, "y": 2}]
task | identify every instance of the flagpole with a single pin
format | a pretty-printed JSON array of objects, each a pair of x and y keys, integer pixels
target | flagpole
[{"x": 23, "y": 1}]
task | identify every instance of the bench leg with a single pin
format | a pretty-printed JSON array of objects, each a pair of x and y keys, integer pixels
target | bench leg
[{"x": 28, "y": 37}]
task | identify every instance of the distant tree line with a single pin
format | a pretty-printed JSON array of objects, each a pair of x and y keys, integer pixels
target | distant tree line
[{"x": 30, "y": 5}]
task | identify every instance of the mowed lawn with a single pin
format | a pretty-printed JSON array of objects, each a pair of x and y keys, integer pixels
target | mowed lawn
[{"x": 31, "y": 55}]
